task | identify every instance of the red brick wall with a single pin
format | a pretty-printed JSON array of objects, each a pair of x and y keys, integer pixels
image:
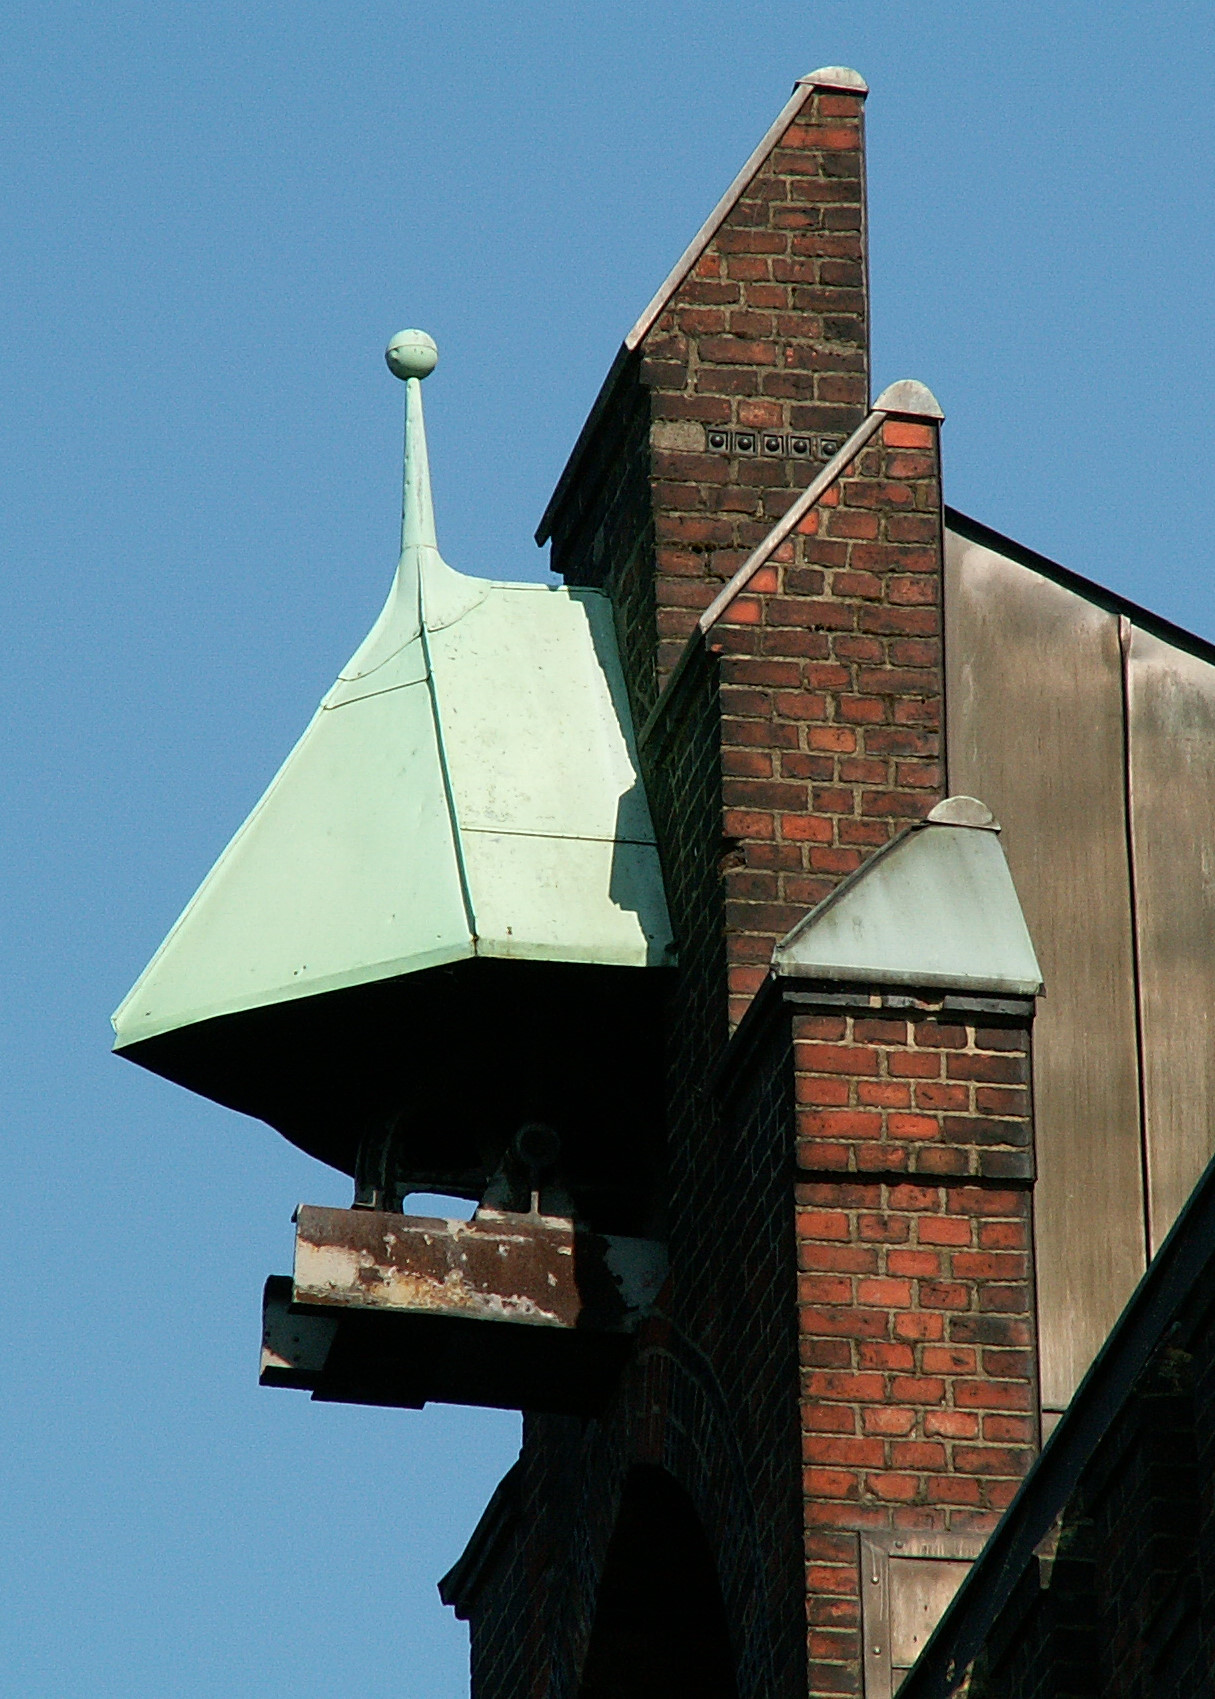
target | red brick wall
[
  {"x": 832, "y": 693},
  {"x": 770, "y": 331},
  {"x": 770, "y": 328},
  {"x": 915, "y": 1294},
  {"x": 793, "y": 742}
]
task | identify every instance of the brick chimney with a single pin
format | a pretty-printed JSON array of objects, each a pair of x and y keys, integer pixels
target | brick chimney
[
  {"x": 842, "y": 1362},
  {"x": 746, "y": 371}
]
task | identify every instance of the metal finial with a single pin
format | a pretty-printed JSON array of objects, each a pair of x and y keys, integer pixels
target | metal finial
[{"x": 411, "y": 354}]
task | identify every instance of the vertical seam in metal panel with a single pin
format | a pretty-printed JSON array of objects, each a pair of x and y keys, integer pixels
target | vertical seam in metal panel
[
  {"x": 1032, "y": 1213},
  {"x": 444, "y": 768},
  {"x": 1124, "y": 646}
]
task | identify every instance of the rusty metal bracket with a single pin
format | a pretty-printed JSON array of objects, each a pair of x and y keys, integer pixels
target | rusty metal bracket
[{"x": 510, "y": 1310}]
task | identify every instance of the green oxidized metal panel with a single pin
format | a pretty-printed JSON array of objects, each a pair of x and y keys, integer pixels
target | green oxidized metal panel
[
  {"x": 342, "y": 874},
  {"x": 469, "y": 786},
  {"x": 553, "y": 824}
]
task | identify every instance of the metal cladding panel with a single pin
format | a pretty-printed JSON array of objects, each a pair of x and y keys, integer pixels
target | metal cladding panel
[
  {"x": 1171, "y": 720},
  {"x": 343, "y": 874},
  {"x": 1035, "y": 729},
  {"x": 936, "y": 906}
]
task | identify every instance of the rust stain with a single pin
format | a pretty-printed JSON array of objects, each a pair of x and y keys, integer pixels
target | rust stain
[{"x": 536, "y": 1270}]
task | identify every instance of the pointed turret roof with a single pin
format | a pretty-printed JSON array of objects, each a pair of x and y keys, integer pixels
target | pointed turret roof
[{"x": 468, "y": 787}]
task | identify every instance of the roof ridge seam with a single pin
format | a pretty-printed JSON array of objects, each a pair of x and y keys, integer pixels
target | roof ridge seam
[{"x": 449, "y": 793}]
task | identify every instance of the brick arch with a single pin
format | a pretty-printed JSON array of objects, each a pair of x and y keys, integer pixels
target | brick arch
[
  {"x": 675, "y": 1422},
  {"x": 660, "y": 1624}
]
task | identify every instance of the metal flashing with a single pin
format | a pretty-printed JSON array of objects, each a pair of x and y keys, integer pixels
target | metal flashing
[
  {"x": 837, "y": 76},
  {"x": 469, "y": 786},
  {"x": 790, "y": 520},
  {"x": 934, "y": 907},
  {"x": 910, "y": 397}
]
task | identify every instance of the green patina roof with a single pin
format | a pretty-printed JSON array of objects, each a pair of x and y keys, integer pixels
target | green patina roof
[{"x": 469, "y": 786}]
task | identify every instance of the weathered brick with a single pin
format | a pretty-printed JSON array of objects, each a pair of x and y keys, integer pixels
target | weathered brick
[{"x": 801, "y": 734}]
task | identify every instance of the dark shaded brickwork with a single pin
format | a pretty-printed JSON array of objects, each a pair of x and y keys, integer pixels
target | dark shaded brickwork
[
  {"x": 1100, "y": 1581},
  {"x": 770, "y": 330},
  {"x": 882, "y": 1163},
  {"x": 1119, "y": 1603},
  {"x": 711, "y": 1400}
]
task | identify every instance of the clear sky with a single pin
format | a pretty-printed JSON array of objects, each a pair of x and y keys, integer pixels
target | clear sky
[{"x": 214, "y": 218}]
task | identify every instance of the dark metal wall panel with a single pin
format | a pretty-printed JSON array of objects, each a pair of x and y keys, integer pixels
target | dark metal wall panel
[
  {"x": 1171, "y": 720},
  {"x": 1035, "y": 728}
]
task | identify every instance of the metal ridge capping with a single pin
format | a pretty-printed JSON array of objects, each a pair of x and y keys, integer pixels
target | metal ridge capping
[
  {"x": 907, "y": 398},
  {"x": 827, "y": 76}
]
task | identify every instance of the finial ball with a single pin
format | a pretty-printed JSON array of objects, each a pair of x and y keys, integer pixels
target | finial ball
[{"x": 411, "y": 354}]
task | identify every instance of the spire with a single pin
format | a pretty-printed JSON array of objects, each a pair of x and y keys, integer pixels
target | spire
[
  {"x": 426, "y": 591},
  {"x": 412, "y": 356}
]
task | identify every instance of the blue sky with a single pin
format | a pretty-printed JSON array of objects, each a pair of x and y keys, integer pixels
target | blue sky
[{"x": 214, "y": 218}]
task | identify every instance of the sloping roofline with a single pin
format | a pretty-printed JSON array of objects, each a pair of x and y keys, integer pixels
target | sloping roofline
[
  {"x": 1170, "y": 1279},
  {"x": 828, "y": 76},
  {"x": 976, "y": 532}
]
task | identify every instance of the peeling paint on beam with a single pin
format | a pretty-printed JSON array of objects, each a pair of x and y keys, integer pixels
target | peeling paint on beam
[
  {"x": 509, "y": 1311},
  {"x": 537, "y": 1271}
]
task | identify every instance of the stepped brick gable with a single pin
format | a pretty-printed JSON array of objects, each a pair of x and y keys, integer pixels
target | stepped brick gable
[{"x": 846, "y": 1339}]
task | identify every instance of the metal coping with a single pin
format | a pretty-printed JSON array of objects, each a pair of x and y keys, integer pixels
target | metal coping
[{"x": 829, "y": 76}]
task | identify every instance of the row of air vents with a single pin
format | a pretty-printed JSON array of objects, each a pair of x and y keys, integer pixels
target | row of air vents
[{"x": 775, "y": 445}]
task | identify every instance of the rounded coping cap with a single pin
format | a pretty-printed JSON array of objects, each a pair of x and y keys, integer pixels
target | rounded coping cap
[
  {"x": 411, "y": 354},
  {"x": 909, "y": 396},
  {"x": 837, "y": 76},
  {"x": 964, "y": 811}
]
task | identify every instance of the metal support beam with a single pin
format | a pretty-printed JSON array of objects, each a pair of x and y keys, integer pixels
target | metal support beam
[{"x": 508, "y": 1310}]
